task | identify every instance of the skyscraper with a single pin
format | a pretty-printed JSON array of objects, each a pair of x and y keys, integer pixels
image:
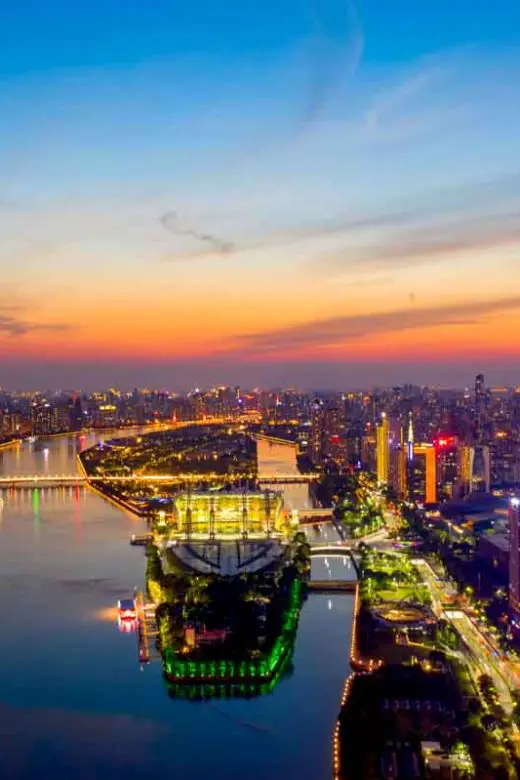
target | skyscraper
[
  {"x": 334, "y": 443},
  {"x": 426, "y": 486},
  {"x": 481, "y": 472},
  {"x": 382, "y": 449},
  {"x": 514, "y": 554},
  {"x": 316, "y": 437},
  {"x": 480, "y": 402}
]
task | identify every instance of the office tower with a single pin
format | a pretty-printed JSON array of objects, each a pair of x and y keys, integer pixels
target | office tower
[
  {"x": 480, "y": 402},
  {"x": 44, "y": 418},
  {"x": 465, "y": 469},
  {"x": 334, "y": 443},
  {"x": 447, "y": 449},
  {"x": 410, "y": 442},
  {"x": 382, "y": 449},
  {"x": 423, "y": 474},
  {"x": 316, "y": 436},
  {"x": 481, "y": 471},
  {"x": 398, "y": 469},
  {"x": 514, "y": 554}
]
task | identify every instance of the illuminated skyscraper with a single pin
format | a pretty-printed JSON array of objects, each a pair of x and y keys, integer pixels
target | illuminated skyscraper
[
  {"x": 410, "y": 437},
  {"x": 316, "y": 437},
  {"x": 334, "y": 443},
  {"x": 429, "y": 486},
  {"x": 397, "y": 470},
  {"x": 465, "y": 468},
  {"x": 382, "y": 449},
  {"x": 481, "y": 471},
  {"x": 480, "y": 402},
  {"x": 514, "y": 554}
]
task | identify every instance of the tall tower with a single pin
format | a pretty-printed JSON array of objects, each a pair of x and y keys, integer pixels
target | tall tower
[
  {"x": 410, "y": 437},
  {"x": 514, "y": 554},
  {"x": 382, "y": 449},
  {"x": 481, "y": 471},
  {"x": 316, "y": 437},
  {"x": 480, "y": 401}
]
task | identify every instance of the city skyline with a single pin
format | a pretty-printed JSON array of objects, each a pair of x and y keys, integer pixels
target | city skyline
[{"x": 316, "y": 201}]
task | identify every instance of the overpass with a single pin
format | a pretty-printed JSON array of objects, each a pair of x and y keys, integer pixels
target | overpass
[
  {"x": 65, "y": 480},
  {"x": 310, "y": 516}
]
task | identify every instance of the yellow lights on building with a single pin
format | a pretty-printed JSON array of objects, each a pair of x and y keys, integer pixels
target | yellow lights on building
[
  {"x": 398, "y": 471},
  {"x": 211, "y": 514},
  {"x": 430, "y": 470},
  {"x": 382, "y": 449}
]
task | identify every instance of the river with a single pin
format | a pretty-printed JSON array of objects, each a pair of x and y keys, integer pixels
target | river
[{"x": 73, "y": 698}]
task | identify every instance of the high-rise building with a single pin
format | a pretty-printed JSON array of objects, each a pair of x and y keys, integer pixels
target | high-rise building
[
  {"x": 465, "y": 469},
  {"x": 480, "y": 406},
  {"x": 316, "y": 436},
  {"x": 423, "y": 474},
  {"x": 334, "y": 442},
  {"x": 382, "y": 449},
  {"x": 44, "y": 418},
  {"x": 410, "y": 438},
  {"x": 481, "y": 471},
  {"x": 398, "y": 470},
  {"x": 514, "y": 554}
]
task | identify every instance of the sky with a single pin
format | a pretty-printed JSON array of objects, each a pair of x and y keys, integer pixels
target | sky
[{"x": 273, "y": 192}]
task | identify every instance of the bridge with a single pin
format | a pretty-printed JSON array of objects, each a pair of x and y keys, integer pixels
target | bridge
[
  {"x": 331, "y": 549},
  {"x": 66, "y": 480},
  {"x": 333, "y": 585},
  {"x": 312, "y": 516}
]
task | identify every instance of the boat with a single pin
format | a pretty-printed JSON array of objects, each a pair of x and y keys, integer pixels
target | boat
[
  {"x": 127, "y": 609},
  {"x": 143, "y": 540}
]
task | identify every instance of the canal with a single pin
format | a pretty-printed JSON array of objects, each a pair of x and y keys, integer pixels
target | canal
[{"x": 73, "y": 697}]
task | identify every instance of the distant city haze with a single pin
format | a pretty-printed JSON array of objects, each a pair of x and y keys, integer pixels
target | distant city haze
[
  {"x": 204, "y": 374},
  {"x": 322, "y": 193}
]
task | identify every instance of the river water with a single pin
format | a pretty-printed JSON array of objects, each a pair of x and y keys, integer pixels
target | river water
[{"x": 73, "y": 699}]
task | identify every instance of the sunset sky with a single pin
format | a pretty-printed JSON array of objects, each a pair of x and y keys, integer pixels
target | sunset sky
[{"x": 313, "y": 192}]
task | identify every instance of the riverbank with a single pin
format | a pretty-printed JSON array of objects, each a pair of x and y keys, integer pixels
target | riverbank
[
  {"x": 104, "y": 492},
  {"x": 8, "y": 444}
]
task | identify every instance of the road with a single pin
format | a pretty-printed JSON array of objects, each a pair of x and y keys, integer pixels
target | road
[{"x": 480, "y": 654}]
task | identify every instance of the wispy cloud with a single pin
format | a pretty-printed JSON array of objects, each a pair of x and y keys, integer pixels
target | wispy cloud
[
  {"x": 336, "y": 331},
  {"x": 396, "y": 99},
  {"x": 333, "y": 63},
  {"x": 15, "y": 323},
  {"x": 171, "y": 222},
  {"x": 19, "y": 327},
  {"x": 418, "y": 246},
  {"x": 487, "y": 215}
]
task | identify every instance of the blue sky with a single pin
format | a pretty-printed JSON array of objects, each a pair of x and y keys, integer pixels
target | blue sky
[{"x": 364, "y": 155}]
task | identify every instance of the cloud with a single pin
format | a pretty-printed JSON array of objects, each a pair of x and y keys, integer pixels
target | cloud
[
  {"x": 335, "y": 331},
  {"x": 426, "y": 219},
  {"x": 389, "y": 103},
  {"x": 332, "y": 62},
  {"x": 171, "y": 222},
  {"x": 422, "y": 244},
  {"x": 14, "y": 323}
]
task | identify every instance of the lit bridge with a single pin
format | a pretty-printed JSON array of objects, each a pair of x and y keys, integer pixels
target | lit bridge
[
  {"x": 331, "y": 549},
  {"x": 67, "y": 480}
]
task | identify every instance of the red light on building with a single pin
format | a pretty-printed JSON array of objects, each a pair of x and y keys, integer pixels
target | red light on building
[{"x": 444, "y": 442}]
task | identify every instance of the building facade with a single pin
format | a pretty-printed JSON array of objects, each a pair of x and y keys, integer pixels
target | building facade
[{"x": 514, "y": 555}]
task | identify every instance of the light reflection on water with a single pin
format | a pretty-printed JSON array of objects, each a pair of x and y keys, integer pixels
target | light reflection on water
[{"x": 72, "y": 690}]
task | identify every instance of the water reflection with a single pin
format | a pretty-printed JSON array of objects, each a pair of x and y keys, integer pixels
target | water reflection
[{"x": 97, "y": 714}]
